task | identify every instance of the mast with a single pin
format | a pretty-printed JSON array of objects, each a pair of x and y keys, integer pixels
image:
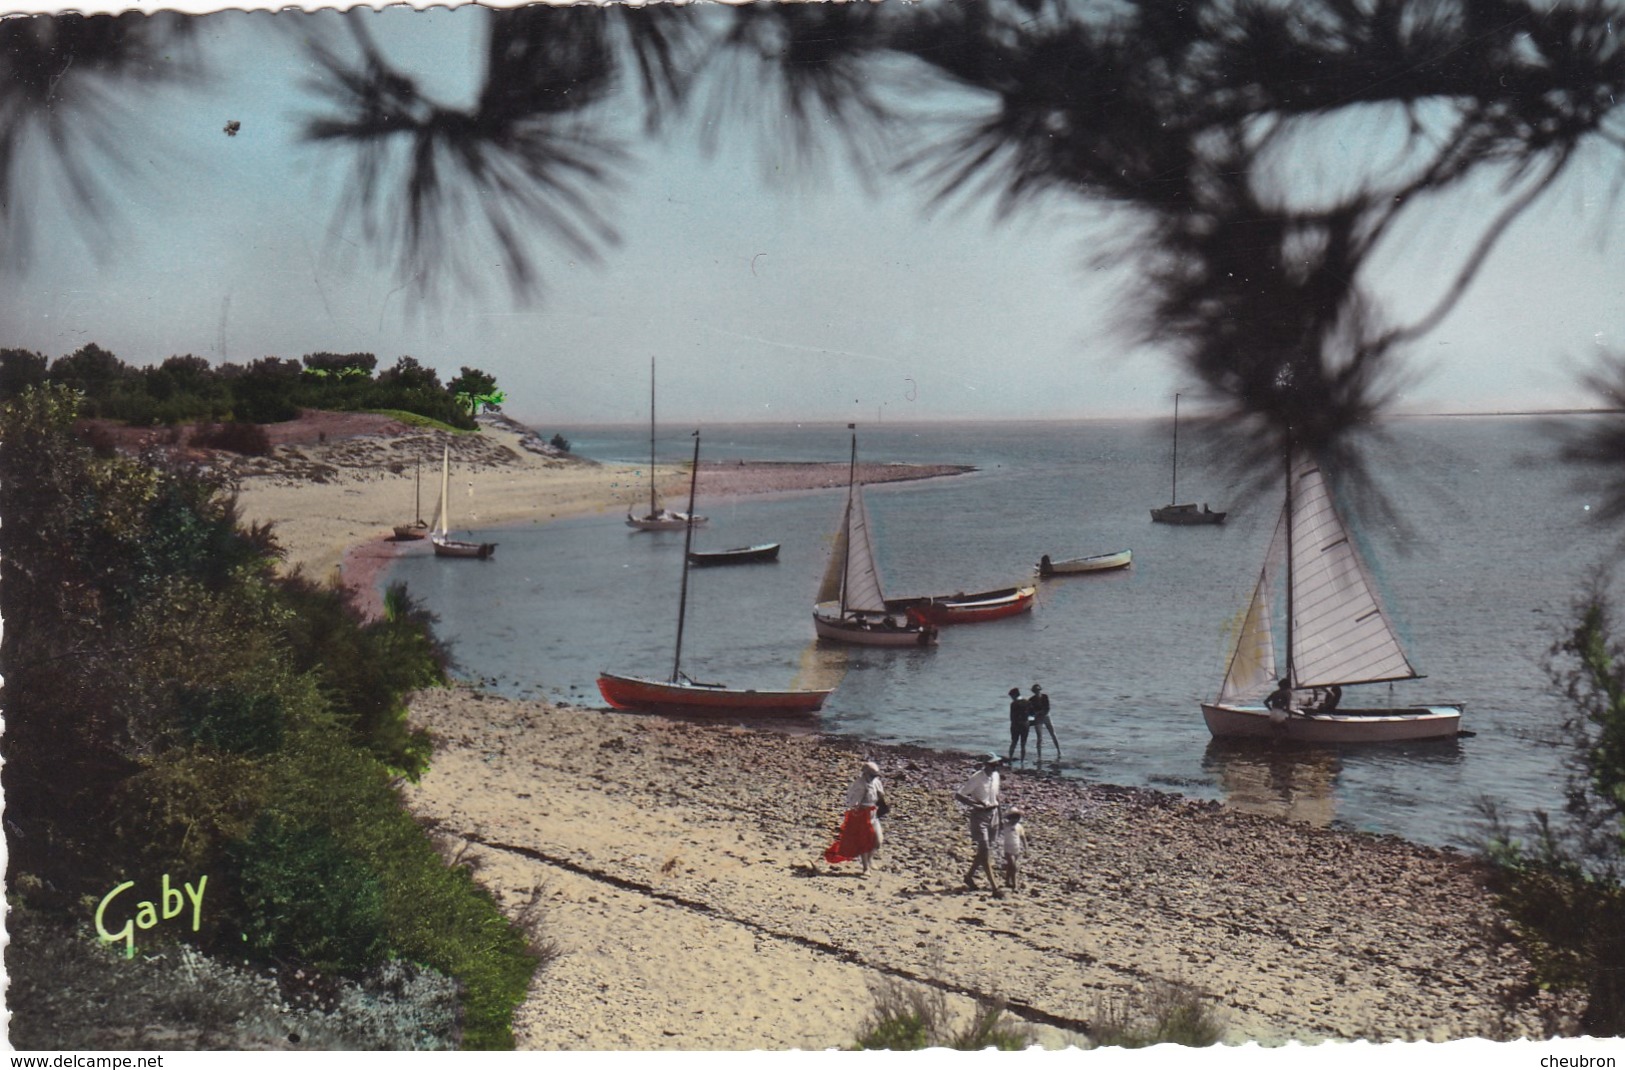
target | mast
[
  {"x": 846, "y": 525},
  {"x": 445, "y": 478},
  {"x": 688, "y": 541},
  {"x": 1173, "y": 497},
  {"x": 417, "y": 493},
  {"x": 652, "y": 436},
  {"x": 1291, "y": 671}
]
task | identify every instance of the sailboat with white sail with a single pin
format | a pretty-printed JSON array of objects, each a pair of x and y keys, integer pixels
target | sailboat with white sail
[
  {"x": 444, "y": 544},
  {"x": 658, "y": 518},
  {"x": 1337, "y": 635},
  {"x": 851, "y": 605},
  {"x": 680, "y": 694}
]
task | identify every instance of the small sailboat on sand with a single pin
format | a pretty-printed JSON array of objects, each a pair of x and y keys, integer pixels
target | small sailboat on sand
[
  {"x": 679, "y": 694},
  {"x": 658, "y": 518},
  {"x": 419, "y": 527},
  {"x": 851, "y": 606},
  {"x": 1176, "y": 512},
  {"x": 444, "y": 544},
  {"x": 1337, "y": 635}
]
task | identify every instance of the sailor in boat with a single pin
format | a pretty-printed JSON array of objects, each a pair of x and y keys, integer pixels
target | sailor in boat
[{"x": 1279, "y": 702}]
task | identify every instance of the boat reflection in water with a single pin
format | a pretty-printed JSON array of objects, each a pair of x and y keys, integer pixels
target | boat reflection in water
[
  {"x": 1296, "y": 783},
  {"x": 1300, "y": 782}
]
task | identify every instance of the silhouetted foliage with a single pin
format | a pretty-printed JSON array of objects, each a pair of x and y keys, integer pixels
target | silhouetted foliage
[
  {"x": 174, "y": 706},
  {"x": 1565, "y": 884},
  {"x": 65, "y": 84}
]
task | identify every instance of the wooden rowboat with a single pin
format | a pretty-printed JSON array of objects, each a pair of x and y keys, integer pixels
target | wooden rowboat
[
  {"x": 739, "y": 555},
  {"x": 1095, "y": 563},
  {"x": 966, "y": 608}
]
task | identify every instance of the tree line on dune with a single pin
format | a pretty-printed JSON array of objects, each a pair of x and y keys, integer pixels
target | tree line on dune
[{"x": 188, "y": 389}]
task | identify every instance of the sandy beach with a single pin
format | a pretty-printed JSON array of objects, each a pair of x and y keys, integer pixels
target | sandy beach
[{"x": 680, "y": 864}]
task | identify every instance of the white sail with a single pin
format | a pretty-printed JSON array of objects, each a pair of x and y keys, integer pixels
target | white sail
[
  {"x": 1340, "y": 633},
  {"x": 1252, "y": 673},
  {"x": 442, "y": 523},
  {"x": 861, "y": 592},
  {"x": 829, "y": 590}
]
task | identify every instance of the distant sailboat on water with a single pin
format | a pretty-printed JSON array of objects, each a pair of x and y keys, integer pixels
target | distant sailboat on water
[
  {"x": 851, "y": 606},
  {"x": 658, "y": 518},
  {"x": 1176, "y": 512}
]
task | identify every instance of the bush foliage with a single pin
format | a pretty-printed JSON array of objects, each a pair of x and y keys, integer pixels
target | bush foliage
[
  {"x": 1564, "y": 885},
  {"x": 173, "y": 705}
]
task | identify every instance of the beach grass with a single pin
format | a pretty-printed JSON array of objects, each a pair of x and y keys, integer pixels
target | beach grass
[{"x": 1165, "y": 1012}]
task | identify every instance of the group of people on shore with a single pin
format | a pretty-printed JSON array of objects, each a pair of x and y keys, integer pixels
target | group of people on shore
[
  {"x": 991, "y": 824},
  {"x": 1030, "y": 715}
]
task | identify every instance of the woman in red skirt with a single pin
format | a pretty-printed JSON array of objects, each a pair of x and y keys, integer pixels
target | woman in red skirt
[{"x": 861, "y": 835}]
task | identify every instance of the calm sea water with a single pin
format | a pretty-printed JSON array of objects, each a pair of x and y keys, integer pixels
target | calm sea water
[{"x": 1497, "y": 543}]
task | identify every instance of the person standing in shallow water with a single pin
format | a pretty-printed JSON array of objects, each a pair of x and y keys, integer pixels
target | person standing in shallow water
[
  {"x": 1019, "y": 722},
  {"x": 861, "y": 834},
  {"x": 1038, "y": 709},
  {"x": 980, "y": 794}
]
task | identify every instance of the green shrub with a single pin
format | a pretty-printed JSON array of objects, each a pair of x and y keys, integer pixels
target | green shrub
[
  {"x": 304, "y": 896},
  {"x": 231, "y": 720}
]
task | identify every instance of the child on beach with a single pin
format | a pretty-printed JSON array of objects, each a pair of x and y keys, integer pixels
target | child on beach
[{"x": 1012, "y": 842}]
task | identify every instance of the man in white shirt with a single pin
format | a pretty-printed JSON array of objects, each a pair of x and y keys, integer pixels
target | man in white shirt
[{"x": 980, "y": 794}]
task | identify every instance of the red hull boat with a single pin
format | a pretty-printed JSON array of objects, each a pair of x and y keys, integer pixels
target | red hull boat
[
  {"x": 966, "y": 608},
  {"x": 686, "y": 696}
]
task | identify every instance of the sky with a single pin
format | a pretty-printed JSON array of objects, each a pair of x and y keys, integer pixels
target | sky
[{"x": 813, "y": 298}]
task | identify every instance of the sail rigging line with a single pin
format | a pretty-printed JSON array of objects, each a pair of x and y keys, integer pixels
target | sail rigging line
[{"x": 688, "y": 543}]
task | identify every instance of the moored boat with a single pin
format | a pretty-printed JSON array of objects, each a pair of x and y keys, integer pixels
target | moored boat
[
  {"x": 444, "y": 544},
  {"x": 1337, "y": 635},
  {"x": 1177, "y": 512},
  {"x": 739, "y": 555},
  {"x": 966, "y": 608},
  {"x": 680, "y": 694},
  {"x": 658, "y": 518},
  {"x": 851, "y": 605},
  {"x": 688, "y": 696},
  {"x": 1076, "y": 565},
  {"x": 418, "y": 528}
]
